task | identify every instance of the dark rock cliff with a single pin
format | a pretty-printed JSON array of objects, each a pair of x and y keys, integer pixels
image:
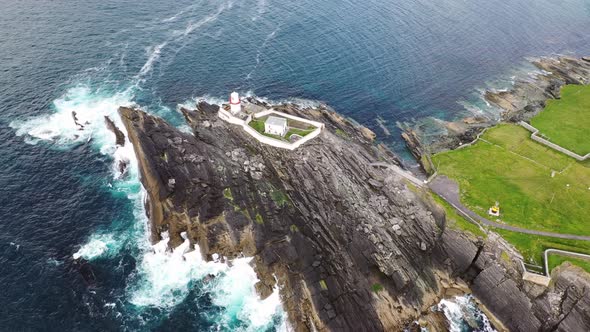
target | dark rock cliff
[{"x": 325, "y": 224}]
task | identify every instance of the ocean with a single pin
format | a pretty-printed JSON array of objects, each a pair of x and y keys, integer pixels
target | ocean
[{"x": 398, "y": 60}]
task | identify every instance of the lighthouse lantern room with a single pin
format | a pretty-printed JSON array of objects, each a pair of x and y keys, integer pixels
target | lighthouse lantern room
[{"x": 234, "y": 103}]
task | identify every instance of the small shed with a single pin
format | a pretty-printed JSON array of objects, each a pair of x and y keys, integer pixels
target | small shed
[{"x": 275, "y": 125}]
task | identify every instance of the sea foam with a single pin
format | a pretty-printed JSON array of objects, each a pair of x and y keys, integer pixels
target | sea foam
[
  {"x": 462, "y": 313},
  {"x": 163, "y": 277}
]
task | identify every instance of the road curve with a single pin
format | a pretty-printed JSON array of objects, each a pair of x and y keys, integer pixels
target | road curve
[{"x": 449, "y": 191}]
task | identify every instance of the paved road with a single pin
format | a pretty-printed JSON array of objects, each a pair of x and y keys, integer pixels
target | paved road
[{"x": 449, "y": 191}]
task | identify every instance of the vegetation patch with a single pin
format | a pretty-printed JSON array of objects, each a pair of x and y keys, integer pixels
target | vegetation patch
[
  {"x": 279, "y": 197},
  {"x": 342, "y": 133},
  {"x": 294, "y": 229},
  {"x": 566, "y": 121},
  {"x": 532, "y": 247},
  {"x": 376, "y": 288},
  {"x": 257, "y": 124},
  {"x": 537, "y": 187},
  {"x": 300, "y": 132},
  {"x": 227, "y": 194},
  {"x": 457, "y": 221},
  {"x": 259, "y": 219}
]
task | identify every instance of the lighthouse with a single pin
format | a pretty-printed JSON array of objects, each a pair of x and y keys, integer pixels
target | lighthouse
[{"x": 234, "y": 103}]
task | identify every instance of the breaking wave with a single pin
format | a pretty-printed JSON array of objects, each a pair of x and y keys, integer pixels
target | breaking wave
[
  {"x": 463, "y": 315},
  {"x": 162, "y": 278},
  {"x": 88, "y": 107}
]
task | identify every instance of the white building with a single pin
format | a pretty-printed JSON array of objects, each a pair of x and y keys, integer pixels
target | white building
[
  {"x": 275, "y": 126},
  {"x": 234, "y": 103}
]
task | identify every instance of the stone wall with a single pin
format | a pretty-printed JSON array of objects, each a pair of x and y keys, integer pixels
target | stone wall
[
  {"x": 225, "y": 115},
  {"x": 554, "y": 146},
  {"x": 289, "y": 116}
]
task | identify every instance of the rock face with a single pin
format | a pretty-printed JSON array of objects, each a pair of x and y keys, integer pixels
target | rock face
[
  {"x": 119, "y": 135},
  {"x": 352, "y": 247},
  {"x": 528, "y": 97}
]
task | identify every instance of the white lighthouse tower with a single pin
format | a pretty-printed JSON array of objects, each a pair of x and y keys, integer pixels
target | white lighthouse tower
[{"x": 234, "y": 103}]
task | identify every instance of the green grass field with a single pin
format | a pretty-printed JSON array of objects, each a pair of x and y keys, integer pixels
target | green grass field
[
  {"x": 508, "y": 167},
  {"x": 258, "y": 125},
  {"x": 532, "y": 247},
  {"x": 456, "y": 221},
  {"x": 566, "y": 121},
  {"x": 556, "y": 260}
]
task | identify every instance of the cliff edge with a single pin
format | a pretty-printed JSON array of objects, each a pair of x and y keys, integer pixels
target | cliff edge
[{"x": 352, "y": 247}]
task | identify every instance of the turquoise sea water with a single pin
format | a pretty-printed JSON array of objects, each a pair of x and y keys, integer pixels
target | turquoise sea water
[{"x": 396, "y": 59}]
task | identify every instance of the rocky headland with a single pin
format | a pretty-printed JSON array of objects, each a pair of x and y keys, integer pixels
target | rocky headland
[
  {"x": 350, "y": 246},
  {"x": 524, "y": 100}
]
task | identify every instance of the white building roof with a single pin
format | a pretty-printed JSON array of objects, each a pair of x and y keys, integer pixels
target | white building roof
[{"x": 276, "y": 121}]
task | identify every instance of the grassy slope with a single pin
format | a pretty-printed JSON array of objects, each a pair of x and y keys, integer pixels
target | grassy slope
[
  {"x": 566, "y": 121},
  {"x": 454, "y": 220},
  {"x": 532, "y": 247},
  {"x": 300, "y": 132},
  {"x": 516, "y": 171},
  {"x": 556, "y": 260}
]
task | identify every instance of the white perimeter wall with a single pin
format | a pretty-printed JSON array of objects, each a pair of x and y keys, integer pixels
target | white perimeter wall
[
  {"x": 541, "y": 140},
  {"x": 225, "y": 115}
]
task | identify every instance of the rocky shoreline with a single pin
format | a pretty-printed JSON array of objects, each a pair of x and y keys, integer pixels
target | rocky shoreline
[
  {"x": 523, "y": 101},
  {"x": 351, "y": 247}
]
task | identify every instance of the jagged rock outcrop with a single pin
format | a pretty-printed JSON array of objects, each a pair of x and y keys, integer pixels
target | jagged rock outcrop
[
  {"x": 353, "y": 247},
  {"x": 527, "y": 97},
  {"x": 119, "y": 135}
]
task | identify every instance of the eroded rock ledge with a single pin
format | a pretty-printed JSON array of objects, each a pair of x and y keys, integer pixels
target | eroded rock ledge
[
  {"x": 329, "y": 227},
  {"x": 523, "y": 101}
]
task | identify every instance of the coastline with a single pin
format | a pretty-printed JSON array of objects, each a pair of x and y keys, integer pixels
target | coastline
[
  {"x": 321, "y": 227},
  {"x": 525, "y": 99}
]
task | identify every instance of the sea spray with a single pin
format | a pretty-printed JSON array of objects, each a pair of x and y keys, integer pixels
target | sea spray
[
  {"x": 97, "y": 245},
  {"x": 463, "y": 314},
  {"x": 88, "y": 106},
  {"x": 163, "y": 277}
]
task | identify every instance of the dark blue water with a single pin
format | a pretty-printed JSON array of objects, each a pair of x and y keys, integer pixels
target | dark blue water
[{"x": 396, "y": 59}]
